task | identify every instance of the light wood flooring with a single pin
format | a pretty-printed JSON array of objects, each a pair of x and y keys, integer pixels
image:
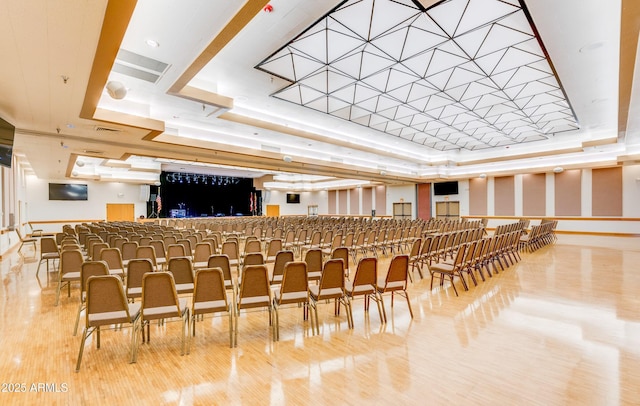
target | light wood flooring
[{"x": 560, "y": 327}]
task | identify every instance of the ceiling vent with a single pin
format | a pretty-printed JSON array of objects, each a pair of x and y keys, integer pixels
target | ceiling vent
[
  {"x": 139, "y": 66},
  {"x": 102, "y": 129}
]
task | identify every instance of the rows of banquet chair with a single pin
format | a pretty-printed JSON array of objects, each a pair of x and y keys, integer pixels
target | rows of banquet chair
[
  {"x": 255, "y": 259},
  {"x": 454, "y": 255}
]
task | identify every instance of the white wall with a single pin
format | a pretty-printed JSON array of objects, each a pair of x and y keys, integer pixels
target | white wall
[
  {"x": 631, "y": 191},
  {"x": 276, "y": 197},
  {"x": 462, "y": 197},
  {"x": 39, "y": 206}
]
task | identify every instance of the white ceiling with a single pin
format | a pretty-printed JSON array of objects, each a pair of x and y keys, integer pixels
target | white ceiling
[{"x": 42, "y": 43}]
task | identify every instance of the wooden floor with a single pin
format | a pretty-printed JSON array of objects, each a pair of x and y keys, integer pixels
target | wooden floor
[{"x": 561, "y": 327}]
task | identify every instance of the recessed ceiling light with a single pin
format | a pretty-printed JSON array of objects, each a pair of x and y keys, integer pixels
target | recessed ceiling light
[
  {"x": 558, "y": 169},
  {"x": 152, "y": 43}
]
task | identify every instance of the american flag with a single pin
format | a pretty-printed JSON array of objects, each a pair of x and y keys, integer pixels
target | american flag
[{"x": 159, "y": 203}]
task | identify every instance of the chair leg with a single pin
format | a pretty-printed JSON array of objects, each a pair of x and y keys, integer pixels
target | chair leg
[
  {"x": 276, "y": 327},
  {"x": 230, "y": 316},
  {"x": 79, "y": 361},
  {"x": 80, "y": 306},
  {"x": 406, "y": 295},
  {"x": 384, "y": 313},
  {"x": 381, "y": 313},
  {"x": 453, "y": 285}
]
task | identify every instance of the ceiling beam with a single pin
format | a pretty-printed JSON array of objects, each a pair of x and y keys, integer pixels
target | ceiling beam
[{"x": 629, "y": 30}]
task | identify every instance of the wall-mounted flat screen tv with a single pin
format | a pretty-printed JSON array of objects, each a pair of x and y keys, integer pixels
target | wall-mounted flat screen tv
[
  {"x": 67, "y": 191},
  {"x": 7, "y": 133},
  {"x": 293, "y": 197},
  {"x": 445, "y": 188}
]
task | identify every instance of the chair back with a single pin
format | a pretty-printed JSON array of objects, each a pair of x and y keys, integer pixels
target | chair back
[
  {"x": 112, "y": 258},
  {"x": 222, "y": 262},
  {"x": 144, "y": 241},
  {"x": 278, "y": 267},
  {"x": 253, "y": 258},
  {"x": 398, "y": 272},
  {"x": 188, "y": 248},
  {"x": 136, "y": 268},
  {"x": 158, "y": 246},
  {"x": 96, "y": 249},
  {"x": 118, "y": 241},
  {"x": 295, "y": 285},
  {"x": 70, "y": 261},
  {"x": 252, "y": 246},
  {"x": 175, "y": 251},
  {"x": 105, "y": 296},
  {"x": 254, "y": 288},
  {"x": 129, "y": 250},
  {"x": 89, "y": 269},
  {"x": 230, "y": 249},
  {"x": 366, "y": 275},
  {"x": 146, "y": 252},
  {"x": 202, "y": 252},
  {"x": 159, "y": 296},
  {"x": 332, "y": 280},
  {"x": 274, "y": 247},
  {"x": 343, "y": 254},
  {"x": 209, "y": 294},
  {"x": 313, "y": 259},
  {"x": 182, "y": 270}
]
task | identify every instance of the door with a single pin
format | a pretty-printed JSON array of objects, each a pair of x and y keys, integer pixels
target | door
[
  {"x": 120, "y": 212},
  {"x": 273, "y": 210},
  {"x": 447, "y": 210}
]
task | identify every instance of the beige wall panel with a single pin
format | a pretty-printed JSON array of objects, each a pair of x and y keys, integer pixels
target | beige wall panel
[
  {"x": 367, "y": 200},
  {"x": 478, "y": 197},
  {"x": 332, "y": 202},
  {"x": 504, "y": 196},
  {"x": 606, "y": 192},
  {"x": 354, "y": 201},
  {"x": 568, "y": 191},
  {"x": 534, "y": 194},
  {"x": 342, "y": 201}
]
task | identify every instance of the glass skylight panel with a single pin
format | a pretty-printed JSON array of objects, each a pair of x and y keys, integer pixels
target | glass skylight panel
[{"x": 396, "y": 68}]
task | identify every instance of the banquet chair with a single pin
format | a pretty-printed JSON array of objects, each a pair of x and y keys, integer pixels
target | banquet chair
[
  {"x": 294, "y": 289},
  {"x": 201, "y": 255},
  {"x": 88, "y": 269},
  {"x": 113, "y": 259},
  {"x": 331, "y": 286},
  {"x": 146, "y": 252},
  {"x": 136, "y": 268},
  {"x": 313, "y": 258},
  {"x": 451, "y": 270},
  {"x": 182, "y": 271},
  {"x": 365, "y": 283},
  {"x": 107, "y": 305},
  {"x": 254, "y": 293},
  {"x": 395, "y": 282},
  {"x": 210, "y": 296},
  {"x": 69, "y": 271},
  {"x": 160, "y": 301},
  {"x": 48, "y": 252},
  {"x": 278, "y": 267}
]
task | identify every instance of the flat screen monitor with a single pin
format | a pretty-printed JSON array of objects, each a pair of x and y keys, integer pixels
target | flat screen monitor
[
  {"x": 66, "y": 191},
  {"x": 7, "y": 133},
  {"x": 445, "y": 188},
  {"x": 293, "y": 197}
]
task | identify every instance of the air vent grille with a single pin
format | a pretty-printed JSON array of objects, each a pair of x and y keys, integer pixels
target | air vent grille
[{"x": 106, "y": 129}]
